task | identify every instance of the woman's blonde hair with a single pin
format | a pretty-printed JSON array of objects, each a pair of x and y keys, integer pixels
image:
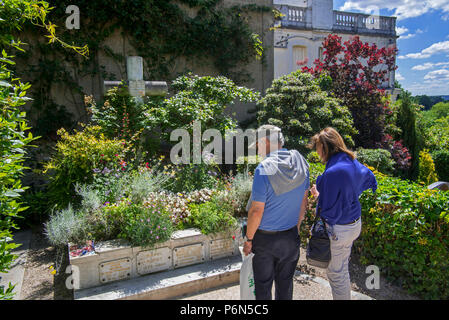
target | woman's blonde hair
[{"x": 332, "y": 143}]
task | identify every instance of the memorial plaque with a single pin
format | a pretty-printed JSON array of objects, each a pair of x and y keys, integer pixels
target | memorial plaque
[
  {"x": 221, "y": 248},
  {"x": 153, "y": 260},
  {"x": 115, "y": 270},
  {"x": 187, "y": 255}
]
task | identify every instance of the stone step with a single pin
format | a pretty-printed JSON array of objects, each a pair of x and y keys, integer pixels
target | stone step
[{"x": 169, "y": 284}]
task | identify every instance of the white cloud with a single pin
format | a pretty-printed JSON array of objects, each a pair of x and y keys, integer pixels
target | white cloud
[
  {"x": 401, "y": 30},
  {"x": 410, "y": 35},
  {"x": 439, "y": 47},
  {"x": 399, "y": 76},
  {"x": 403, "y": 9},
  {"x": 437, "y": 75},
  {"x": 430, "y": 65},
  {"x": 428, "y": 87}
]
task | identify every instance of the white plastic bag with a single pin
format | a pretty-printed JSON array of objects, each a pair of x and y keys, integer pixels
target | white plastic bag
[{"x": 247, "y": 286}]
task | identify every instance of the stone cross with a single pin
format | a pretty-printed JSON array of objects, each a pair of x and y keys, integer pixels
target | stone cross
[{"x": 138, "y": 87}]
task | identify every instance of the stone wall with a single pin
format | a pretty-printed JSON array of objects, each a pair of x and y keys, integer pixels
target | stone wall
[{"x": 262, "y": 73}]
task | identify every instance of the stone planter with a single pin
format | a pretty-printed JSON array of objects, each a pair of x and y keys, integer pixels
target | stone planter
[{"x": 116, "y": 260}]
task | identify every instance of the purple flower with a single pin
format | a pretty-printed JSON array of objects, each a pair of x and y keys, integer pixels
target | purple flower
[
  {"x": 157, "y": 237},
  {"x": 96, "y": 170},
  {"x": 106, "y": 171}
]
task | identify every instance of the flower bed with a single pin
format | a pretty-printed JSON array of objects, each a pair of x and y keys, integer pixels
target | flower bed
[{"x": 128, "y": 223}]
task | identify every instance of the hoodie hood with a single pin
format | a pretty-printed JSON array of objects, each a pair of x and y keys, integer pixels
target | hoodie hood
[{"x": 286, "y": 170}]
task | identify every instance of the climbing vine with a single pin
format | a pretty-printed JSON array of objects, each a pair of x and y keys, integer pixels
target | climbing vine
[{"x": 162, "y": 32}]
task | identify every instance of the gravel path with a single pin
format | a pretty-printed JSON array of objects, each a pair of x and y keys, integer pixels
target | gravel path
[
  {"x": 38, "y": 281},
  {"x": 387, "y": 291}
]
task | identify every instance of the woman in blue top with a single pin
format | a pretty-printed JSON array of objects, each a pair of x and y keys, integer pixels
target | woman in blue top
[{"x": 338, "y": 190}]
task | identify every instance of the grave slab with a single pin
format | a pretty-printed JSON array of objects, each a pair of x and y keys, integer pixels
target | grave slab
[
  {"x": 169, "y": 284},
  {"x": 117, "y": 260}
]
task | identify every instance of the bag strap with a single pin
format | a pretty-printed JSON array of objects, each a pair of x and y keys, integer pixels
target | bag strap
[{"x": 317, "y": 217}]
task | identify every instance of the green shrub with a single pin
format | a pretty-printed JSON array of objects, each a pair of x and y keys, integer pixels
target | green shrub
[
  {"x": 438, "y": 134},
  {"x": 237, "y": 192},
  {"x": 315, "y": 169},
  {"x": 313, "y": 157},
  {"x": 139, "y": 184},
  {"x": 380, "y": 159},
  {"x": 427, "y": 174},
  {"x": 66, "y": 226},
  {"x": 76, "y": 157},
  {"x": 211, "y": 217},
  {"x": 405, "y": 228},
  {"x": 14, "y": 142},
  {"x": 146, "y": 226},
  {"x": 107, "y": 221},
  {"x": 119, "y": 116},
  {"x": 297, "y": 105},
  {"x": 441, "y": 160},
  {"x": 191, "y": 177}
]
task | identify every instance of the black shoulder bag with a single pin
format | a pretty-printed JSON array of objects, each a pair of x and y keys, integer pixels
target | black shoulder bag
[{"x": 319, "y": 247}]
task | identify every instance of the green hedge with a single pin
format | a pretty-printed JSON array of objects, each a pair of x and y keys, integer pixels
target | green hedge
[
  {"x": 441, "y": 160},
  {"x": 405, "y": 232}
]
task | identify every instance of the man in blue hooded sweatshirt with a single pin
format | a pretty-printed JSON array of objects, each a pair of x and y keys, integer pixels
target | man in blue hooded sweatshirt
[{"x": 276, "y": 209}]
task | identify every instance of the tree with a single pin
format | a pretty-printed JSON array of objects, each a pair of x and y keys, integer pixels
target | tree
[
  {"x": 427, "y": 101},
  {"x": 438, "y": 111},
  {"x": 406, "y": 121},
  {"x": 195, "y": 98},
  {"x": 358, "y": 70},
  {"x": 427, "y": 173},
  {"x": 297, "y": 104}
]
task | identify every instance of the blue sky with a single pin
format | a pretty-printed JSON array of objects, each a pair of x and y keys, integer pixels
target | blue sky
[{"x": 423, "y": 59}]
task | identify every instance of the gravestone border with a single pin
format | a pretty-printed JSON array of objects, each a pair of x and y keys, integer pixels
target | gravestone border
[{"x": 86, "y": 270}]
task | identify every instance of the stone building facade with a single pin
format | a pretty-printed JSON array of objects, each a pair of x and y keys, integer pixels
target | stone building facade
[{"x": 306, "y": 23}]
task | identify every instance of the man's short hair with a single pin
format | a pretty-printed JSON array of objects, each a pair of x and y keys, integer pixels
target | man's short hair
[{"x": 273, "y": 133}]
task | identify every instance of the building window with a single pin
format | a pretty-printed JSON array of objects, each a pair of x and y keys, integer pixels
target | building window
[{"x": 299, "y": 57}]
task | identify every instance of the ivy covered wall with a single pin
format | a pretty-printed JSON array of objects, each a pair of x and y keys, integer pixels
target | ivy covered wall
[{"x": 207, "y": 37}]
